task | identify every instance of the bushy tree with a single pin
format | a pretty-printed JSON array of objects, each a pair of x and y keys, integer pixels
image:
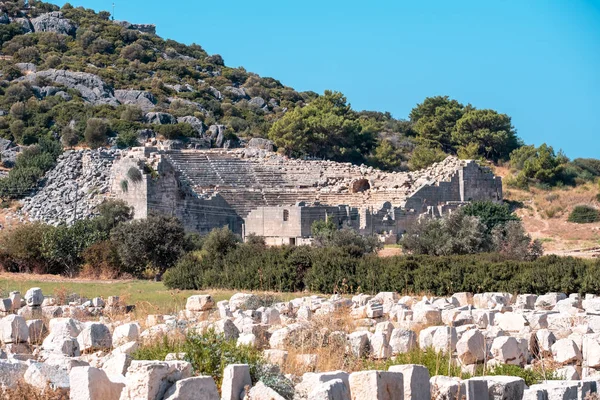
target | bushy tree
[
  {"x": 434, "y": 121},
  {"x": 96, "y": 132},
  {"x": 492, "y": 131},
  {"x": 510, "y": 239},
  {"x": 490, "y": 214},
  {"x": 325, "y": 128},
  {"x": 20, "y": 249},
  {"x": 153, "y": 243},
  {"x": 538, "y": 165},
  {"x": 423, "y": 157}
]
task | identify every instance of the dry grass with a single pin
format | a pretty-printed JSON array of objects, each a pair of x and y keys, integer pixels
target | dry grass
[{"x": 25, "y": 391}]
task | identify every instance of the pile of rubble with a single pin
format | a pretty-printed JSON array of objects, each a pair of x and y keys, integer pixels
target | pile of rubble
[
  {"x": 74, "y": 188},
  {"x": 46, "y": 344}
]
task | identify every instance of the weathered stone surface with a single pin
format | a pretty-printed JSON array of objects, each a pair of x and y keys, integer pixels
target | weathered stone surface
[
  {"x": 160, "y": 118},
  {"x": 125, "y": 333},
  {"x": 195, "y": 388},
  {"x": 14, "y": 329},
  {"x": 200, "y": 302},
  {"x": 260, "y": 391},
  {"x": 415, "y": 379},
  {"x": 235, "y": 378},
  {"x": 53, "y": 22},
  {"x": 376, "y": 385},
  {"x": 88, "y": 383},
  {"x": 92, "y": 88},
  {"x": 334, "y": 389},
  {"x": 94, "y": 337},
  {"x": 565, "y": 351},
  {"x": 471, "y": 347},
  {"x": 40, "y": 375},
  {"x": 503, "y": 387},
  {"x": 142, "y": 99},
  {"x": 402, "y": 341},
  {"x": 244, "y": 301},
  {"x": 151, "y": 379},
  {"x": 11, "y": 372},
  {"x": 34, "y": 297}
]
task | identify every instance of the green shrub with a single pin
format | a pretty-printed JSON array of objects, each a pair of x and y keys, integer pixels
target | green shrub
[
  {"x": 209, "y": 353},
  {"x": 134, "y": 174},
  {"x": 96, "y": 132},
  {"x": 584, "y": 215},
  {"x": 530, "y": 376}
]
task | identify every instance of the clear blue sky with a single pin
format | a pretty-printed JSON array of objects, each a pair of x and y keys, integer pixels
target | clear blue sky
[{"x": 537, "y": 61}]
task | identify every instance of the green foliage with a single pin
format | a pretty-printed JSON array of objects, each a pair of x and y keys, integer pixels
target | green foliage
[
  {"x": 209, "y": 353},
  {"x": 584, "y": 215},
  {"x": 492, "y": 131},
  {"x": 96, "y": 132},
  {"x": 155, "y": 242},
  {"x": 435, "y": 119},
  {"x": 489, "y": 213},
  {"x": 423, "y": 157},
  {"x": 436, "y": 363},
  {"x": 134, "y": 174},
  {"x": 127, "y": 139},
  {"x": 20, "y": 249},
  {"x": 325, "y": 128},
  {"x": 531, "y": 376},
  {"x": 176, "y": 131},
  {"x": 30, "y": 166},
  {"x": 538, "y": 165}
]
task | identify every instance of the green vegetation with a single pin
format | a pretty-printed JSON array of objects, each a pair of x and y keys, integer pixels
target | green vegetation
[
  {"x": 209, "y": 353},
  {"x": 476, "y": 228},
  {"x": 584, "y": 215}
]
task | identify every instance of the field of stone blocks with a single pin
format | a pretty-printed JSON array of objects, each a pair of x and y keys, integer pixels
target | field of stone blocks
[{"x": 80, "y": 348}]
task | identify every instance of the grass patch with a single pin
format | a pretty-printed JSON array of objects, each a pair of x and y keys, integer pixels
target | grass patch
[{"x": 149, "y": 297}]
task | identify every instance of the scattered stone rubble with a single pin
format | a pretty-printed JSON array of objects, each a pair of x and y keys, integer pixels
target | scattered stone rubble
[
  {"x": 47, "y": 344},
  {"x": 81, "y": 180}
]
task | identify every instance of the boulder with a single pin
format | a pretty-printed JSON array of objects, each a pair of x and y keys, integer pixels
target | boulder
[
  {"x": 125, "y": 333},
  {"x": 244, "y": 301},
  {"x": 358, "y": 343},
  {"x": 152, "y": 379},
  {"x": 160, "y": 118},
  {"x": 34, "y": 297},
  {"x": 54, "y": 22},
  {"x": 334, "y": 389},
  {"x": 376, "y": 385},
  {"x": 14, "y": 329},
  {"x": 262, "y": 144},
  {"x": 471, "y": 347},
  {"x": 37, "y": 330},
  {"x": 505, "y": 349},
  {"x": 88, "y": 383},
  {"x": 415, "y": 379},
  {"x": 200, "y": 302},
  {"x": 565, "y": 351},
  {"x": 94, "y": 337},
  {"x": 11, "y": 372},
  {"x": 503, "y": 387},
  {"x": 235, "y": 378},
  {"x": 196, "y": 388},
  {"x": 140, "y": 98}
]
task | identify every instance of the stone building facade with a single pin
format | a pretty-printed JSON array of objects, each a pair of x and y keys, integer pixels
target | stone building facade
[{"x": 256, "y": 190}]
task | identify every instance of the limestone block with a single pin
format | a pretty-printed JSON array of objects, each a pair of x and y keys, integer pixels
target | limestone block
[
  {"x": 88, "y": 383},
  {"x": 471, "y": 347},
  {"x": 426, "y": 337},
  {"x": 260, "y": 391},
  {"x": 542, "y": 345},
  {"x": 444, "y": 339},
  {"x": 94, "y": 337},
  {"x": 116, "y": 363},
  {"x": 511, "y": 322},
  {"x": 505, "y": 349},
  {"x": 34, "y": 297},
  {"x": 402, "y": 341},
  {"x": 197, "y": 388},
  {"x": 15, "y": 298},
  {"x": 6, "y": 305},
  {"x": 270, "y": 316},
  {"x": 36, "y": 330},
  {"x": 125, "y": 333},
  {"x": 474, "y": 389},
  {"x": 235, "y": 378},
  {"x": 526, "y": 301},
  {"x": 415, "y": 379},
  {"x": 150, "y": 379},
  {"x": 276, "y": 357},
  {"x": 334, "y": 389},
  {"x": 358, "y": 343},
  {"x": 227, "y": 328},
  {"x": 445, "y": 388},
  {"x": 565, "y": 351},
  {"x": 244, "y": 301},
  {"x": 503, "y": 387},
  {"x": 11, "y": 372},
  {"x": 304, "y": 314},
  {"x": 311, "y": 380},
  {"x": 427, "y": 316},
  {"x": 14, "y": 329},
  {"x": 374, "y": 310},
  {"x": 40, "y": 375},
  {"x": 385, "y": 327},
  {"x": 591, "y": 350},
  {"x": 199, "y": 303},
  {"x": 548, "y": 301},
  {"x": 379, "y": 346},
  {"x": 376, "y": 385},
  {"x": 463, "y": 298}
]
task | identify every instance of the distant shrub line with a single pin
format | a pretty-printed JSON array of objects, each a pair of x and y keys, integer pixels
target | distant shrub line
[{"x": 329, "y": 270}]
